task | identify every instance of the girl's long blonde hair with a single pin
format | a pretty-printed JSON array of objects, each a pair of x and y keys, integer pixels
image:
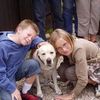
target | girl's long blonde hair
[{"x": 59, "y": 33}]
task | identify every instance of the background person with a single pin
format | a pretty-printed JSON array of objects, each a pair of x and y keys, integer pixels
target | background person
[
  {"x": 39, "y": 12},
  {"x": 69, "y": 14},
  {"x": 88, "y": 13}
]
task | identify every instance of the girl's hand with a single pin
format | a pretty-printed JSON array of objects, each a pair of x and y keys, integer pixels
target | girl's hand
[{"x": 65, "y": 97}]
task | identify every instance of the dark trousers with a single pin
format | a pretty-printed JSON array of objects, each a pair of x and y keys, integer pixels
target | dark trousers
[
  {"x": 67, "y": 73},
  {"x": 39, "y": 11},
  {"x": 69, "y": 13}
]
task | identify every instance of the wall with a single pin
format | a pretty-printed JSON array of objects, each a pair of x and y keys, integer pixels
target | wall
[{"x": 13, "y": 11}]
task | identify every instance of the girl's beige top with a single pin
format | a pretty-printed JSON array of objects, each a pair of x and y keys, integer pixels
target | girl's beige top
[{"x": 84, "y": 50}]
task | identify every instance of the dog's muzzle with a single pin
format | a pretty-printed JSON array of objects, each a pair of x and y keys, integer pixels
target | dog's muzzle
[{"x": 48, "y": 62}]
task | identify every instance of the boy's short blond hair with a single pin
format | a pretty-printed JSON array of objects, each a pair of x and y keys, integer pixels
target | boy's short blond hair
[{"x": 27, "y": 22}]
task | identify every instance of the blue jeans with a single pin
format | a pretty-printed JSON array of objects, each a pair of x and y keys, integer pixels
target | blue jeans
[
  {"x": 69, "y": 12},
  {"x": 39, "y": 12},
  {"x": 30, "y": 67}
]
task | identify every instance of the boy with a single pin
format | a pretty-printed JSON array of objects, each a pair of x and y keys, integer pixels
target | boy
[{"x": 13, "y": 66}]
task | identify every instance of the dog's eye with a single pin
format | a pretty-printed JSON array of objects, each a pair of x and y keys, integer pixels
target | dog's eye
[
  {"x": 43, "y": 53},
  {"x": 51, "y": 52}
]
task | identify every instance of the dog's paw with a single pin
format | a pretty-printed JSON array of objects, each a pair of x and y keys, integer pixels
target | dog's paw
[
  {"x": 40, "y": 95},
  {"x": 58, "y": 92}
]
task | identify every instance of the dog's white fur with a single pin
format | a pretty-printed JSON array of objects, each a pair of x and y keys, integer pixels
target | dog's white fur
[{"x": 46, "y": 55}]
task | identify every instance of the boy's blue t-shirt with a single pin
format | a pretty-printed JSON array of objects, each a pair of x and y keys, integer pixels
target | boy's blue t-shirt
[{"x": 11, "y": 58}]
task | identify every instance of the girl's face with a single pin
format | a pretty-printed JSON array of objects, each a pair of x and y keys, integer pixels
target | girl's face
[
  {"x": 26, "y": 35},
  {"x": 63, "y": 47}
]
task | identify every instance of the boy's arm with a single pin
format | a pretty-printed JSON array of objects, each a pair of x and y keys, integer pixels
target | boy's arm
[
  {"x": 5, "y": 83},
  {"x": 38, "y": 41}
]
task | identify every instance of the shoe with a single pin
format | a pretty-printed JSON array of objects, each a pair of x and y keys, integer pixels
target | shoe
[
  {"x": 28, "y": 96},
  {"x": 93, "y": 38},
  {"x": 97, "y": 89}
]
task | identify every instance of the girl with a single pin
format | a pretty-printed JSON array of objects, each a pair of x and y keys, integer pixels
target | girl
[{"x": 82, "y": 66}]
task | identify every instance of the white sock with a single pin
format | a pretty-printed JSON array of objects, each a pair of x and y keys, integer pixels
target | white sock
[
  {"x": 26, "y": 87},
  {"x": 99, "y": 87}
]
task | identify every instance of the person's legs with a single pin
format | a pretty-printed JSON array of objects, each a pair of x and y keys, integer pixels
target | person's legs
[
  {"x": 95, "y": 18},
  {"x": 39, "y": 15},
  {"x": 83, "y": 14},
  {"x": 70, "y": 73},
  {"x": 75, "y": 18},
  {"x": 55, "y": 6},
  {"x": 68, "y": 14},
  {"x": 29, "y": 70},
  {"x": 30, "y": 67},
  {"x": 67, "y": 72}
]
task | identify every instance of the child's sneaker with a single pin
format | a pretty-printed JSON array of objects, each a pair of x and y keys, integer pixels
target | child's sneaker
[
  {"x": 97, "y": 90},
  {"x": 28, "y": 96}
]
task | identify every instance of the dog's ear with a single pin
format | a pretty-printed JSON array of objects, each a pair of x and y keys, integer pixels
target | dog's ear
[
  {"x": 60, "y": 59},
  {"x": 35, "y": 54}
]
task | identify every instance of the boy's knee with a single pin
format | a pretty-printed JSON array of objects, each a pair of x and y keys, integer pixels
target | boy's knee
[{"x": 34, "y": 67}]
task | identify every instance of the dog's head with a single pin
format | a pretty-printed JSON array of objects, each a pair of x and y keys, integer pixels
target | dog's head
[{"x": 46, "y": 55}]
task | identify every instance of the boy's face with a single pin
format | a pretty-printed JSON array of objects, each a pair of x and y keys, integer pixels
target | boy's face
[{"x": 26, "y": 35}]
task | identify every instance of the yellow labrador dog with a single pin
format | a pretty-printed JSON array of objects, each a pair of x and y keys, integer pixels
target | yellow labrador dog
[{"x": 46, "y": 55}]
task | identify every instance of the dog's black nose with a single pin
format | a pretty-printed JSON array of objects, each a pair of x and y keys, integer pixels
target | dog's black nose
[{"x": 48, "y": 61}]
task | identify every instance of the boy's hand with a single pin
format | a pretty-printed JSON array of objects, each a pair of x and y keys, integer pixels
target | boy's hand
[
  {"x": 16, "y": 95},
  {"x": 42, "y": 43}
]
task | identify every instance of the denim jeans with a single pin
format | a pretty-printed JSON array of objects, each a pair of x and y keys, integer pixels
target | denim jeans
[
  {"x": 30, "y": 67},
  {"x": 39, "y": 12},
  {"x": 69, "y": 12}
]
